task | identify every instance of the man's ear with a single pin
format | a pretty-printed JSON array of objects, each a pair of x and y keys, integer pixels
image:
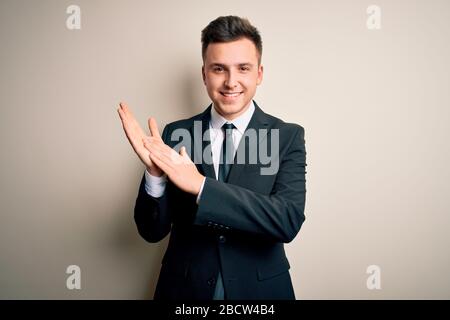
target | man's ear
[
  {"x": 260, "y": 74},
  {"x": 203, "y": 74}
]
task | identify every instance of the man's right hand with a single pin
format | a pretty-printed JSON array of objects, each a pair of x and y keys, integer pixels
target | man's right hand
[{"x": 136, "y": 136}]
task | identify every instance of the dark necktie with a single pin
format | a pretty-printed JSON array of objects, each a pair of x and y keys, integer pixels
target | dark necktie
[
  {"x": 227, "y": 152},
  {"x": 226, "y": 161}
]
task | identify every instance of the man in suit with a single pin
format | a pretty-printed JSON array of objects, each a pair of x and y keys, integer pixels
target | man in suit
[{"x": 228, "y": 216}]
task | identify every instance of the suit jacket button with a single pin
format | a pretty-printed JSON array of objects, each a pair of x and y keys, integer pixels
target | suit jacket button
[
  {"x": 211, "y": 281},
  {"x": 222, "y": 239}
]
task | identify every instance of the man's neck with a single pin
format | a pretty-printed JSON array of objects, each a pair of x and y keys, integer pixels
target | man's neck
[{"x": 235, "y": 115}]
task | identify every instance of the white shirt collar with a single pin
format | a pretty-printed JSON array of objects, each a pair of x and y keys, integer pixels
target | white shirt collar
[{"x": 241, "y": 122}]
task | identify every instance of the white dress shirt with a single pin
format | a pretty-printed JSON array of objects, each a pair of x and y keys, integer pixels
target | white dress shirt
[{"x": 155, "y": 186}]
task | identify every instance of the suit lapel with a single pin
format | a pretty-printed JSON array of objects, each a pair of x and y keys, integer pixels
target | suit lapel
[{"x": 204, "y": 163}]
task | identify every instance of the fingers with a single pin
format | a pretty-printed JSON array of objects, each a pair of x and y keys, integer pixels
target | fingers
[
  {"x": 160, "y": 150},
  {"x": 184, "y": 154},
  {"x": 157, "y": 144},
  {"x": 121, "y": 112},
  {"x": 167, "y": 159},
  {"x": 124, "y": 111},
  {"x": 161, "y": 161},
  {"x": 153, "y": 126},
  {"x": 124, "y": 107},
  {"x": 126, "y": 116},
  {"x": 166, "y": 154},
  {"x": 129, "y": 123}
]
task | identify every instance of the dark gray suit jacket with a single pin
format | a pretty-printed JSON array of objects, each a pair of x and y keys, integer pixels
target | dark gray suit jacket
[{"x": 239, "y": 226}]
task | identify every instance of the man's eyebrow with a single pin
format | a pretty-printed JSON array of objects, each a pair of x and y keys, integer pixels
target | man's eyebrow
[
  {"x": 242, "y": 64},
  {"x": 246, "y": 64}
]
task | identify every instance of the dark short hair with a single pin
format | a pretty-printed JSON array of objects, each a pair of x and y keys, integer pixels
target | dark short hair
[{"x": 230, "y": 28}]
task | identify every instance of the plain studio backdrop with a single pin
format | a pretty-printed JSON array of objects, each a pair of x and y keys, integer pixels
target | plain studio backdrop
[{"x": 374, "y": 104}]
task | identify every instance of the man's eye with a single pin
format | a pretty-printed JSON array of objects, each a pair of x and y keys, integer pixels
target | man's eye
[
  {"x": 218, "y": 69},
  {"x": 245, "y": 68}
]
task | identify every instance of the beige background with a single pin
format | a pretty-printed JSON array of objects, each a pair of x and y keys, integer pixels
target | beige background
[{"x": 374, "y": 104}]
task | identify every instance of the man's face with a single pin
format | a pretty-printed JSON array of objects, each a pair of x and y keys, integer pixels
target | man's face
[{"x": 231, "y": 74}]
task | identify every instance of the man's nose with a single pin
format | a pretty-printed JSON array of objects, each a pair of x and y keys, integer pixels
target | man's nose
[{"x": 231, "y": 80}]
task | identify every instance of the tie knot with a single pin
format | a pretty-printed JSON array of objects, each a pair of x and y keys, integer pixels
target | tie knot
[{"x": 228, "y": 126}]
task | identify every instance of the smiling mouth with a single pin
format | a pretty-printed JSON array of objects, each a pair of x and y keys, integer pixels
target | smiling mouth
[{"x": 231, "y": 94}]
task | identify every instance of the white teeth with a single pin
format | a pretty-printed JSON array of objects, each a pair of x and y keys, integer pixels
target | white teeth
[{"x": 231, "y": 94}]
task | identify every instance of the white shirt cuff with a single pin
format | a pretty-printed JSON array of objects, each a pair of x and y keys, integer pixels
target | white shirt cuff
[
  {"x": 201, "y": 189},
  {"x": 155, "y": 186}
]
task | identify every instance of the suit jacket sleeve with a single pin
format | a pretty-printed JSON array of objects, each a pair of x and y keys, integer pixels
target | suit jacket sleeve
[
  {"x": 152, "y": 215},
  {"x": 278, "y": 215}
]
